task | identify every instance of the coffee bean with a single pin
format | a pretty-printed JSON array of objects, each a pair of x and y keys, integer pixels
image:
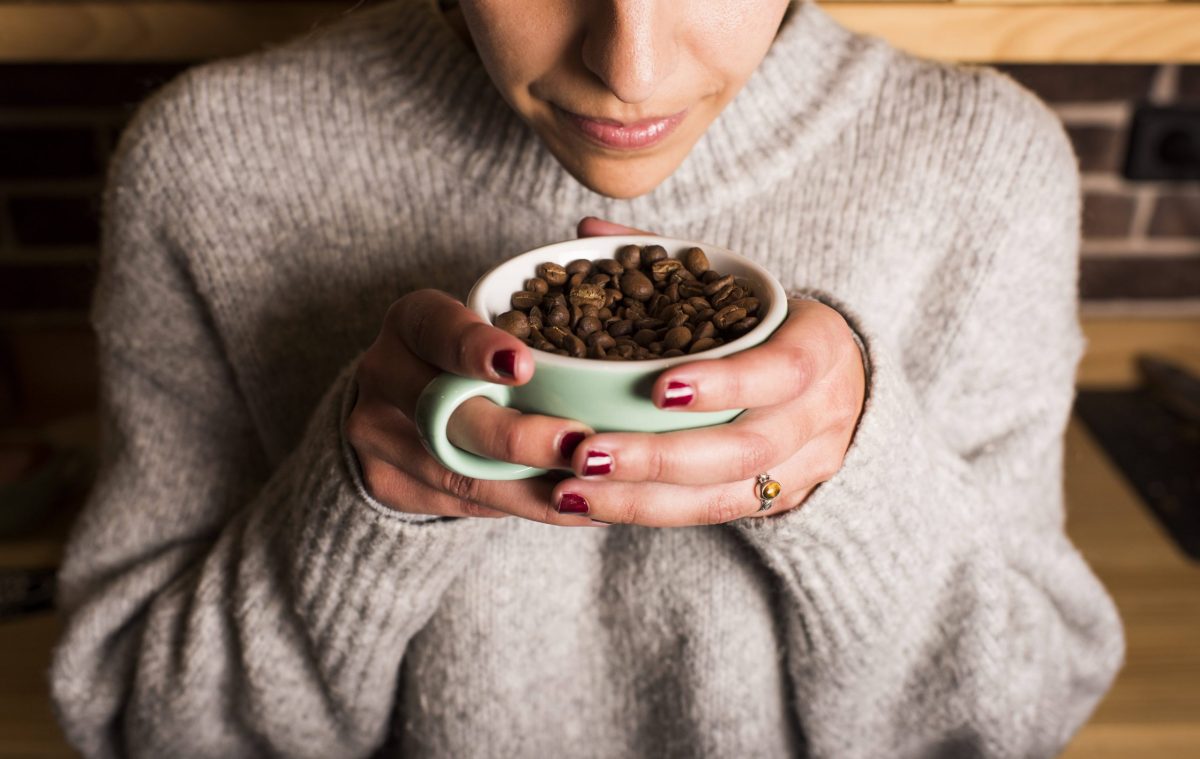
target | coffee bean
[
  {"x": 649, "y": 323},
  {"x": 655, "y": 347},
  {"x": 555, "y": 275},
  {"x": 523, "y": 300},
  {"x": 725, "y": 297},
  {"x": 749, "y": 305},
  {"x": 587, "y": 325},
  {"x": 555, "y": 335},
  {"x": 601, "y": 339},
  {"x": 671, "y": 310},
  {"x": 575, "y": 346},
  {"x": 629, "y": 256},
  {"x": 559, "y": 316},
  {"x": 727, "y": 316},
  {"x": 690, "y": 289},
  {"x": 717, "y": 285},
  {"x": 636, "y": 285},
  {"x": 678, "y": 320},
  {"x": 576, "y": 279},
  {"x": 604, "y": 314},
  {"x": 709, "y": 276},
  {"x": 695, "y": 261},
  {"x": 644, "y": 337},
  {"x": 514, "y": 323},
  {"x": 702, "y": 345},
  {"x": 579, "y": 266},
  {"x": 587, "y": 294},
  {"x": 609, "y": 266},
  {"x": 620, "y": 328},
  {"x": 672, "y": 292},
  {"x": 554, "y": 299},
  {"x": 704, "y": 330},
  {"x": 537, "y": 285},
  {"x": 677, "y": 337},
  {"x": 743, "y": 326},
  {"x": 672, "y": 353},
  {"x": 662, "y": 268},
  {"x": 599, "y": 279},
  {"x": 653, "y": 253}
]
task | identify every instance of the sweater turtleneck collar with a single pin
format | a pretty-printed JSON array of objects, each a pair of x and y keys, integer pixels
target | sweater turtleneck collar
[{"x": 815, "y": 75}]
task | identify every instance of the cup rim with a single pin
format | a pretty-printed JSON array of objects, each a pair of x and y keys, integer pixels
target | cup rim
[{"x": 768, "y": 323}]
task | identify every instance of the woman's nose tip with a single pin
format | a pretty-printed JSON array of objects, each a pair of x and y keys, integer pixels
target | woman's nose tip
[{"x": 629, "y": 51}]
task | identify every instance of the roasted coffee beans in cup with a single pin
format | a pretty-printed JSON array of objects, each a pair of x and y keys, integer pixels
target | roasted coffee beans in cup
[{"x": 641, "y": 304}]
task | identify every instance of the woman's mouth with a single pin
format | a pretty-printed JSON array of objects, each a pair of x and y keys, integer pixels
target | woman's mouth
[{"x": 612, "y": 134}]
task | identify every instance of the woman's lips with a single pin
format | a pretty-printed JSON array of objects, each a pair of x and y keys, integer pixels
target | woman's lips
[{"x": 612, "y": 134}]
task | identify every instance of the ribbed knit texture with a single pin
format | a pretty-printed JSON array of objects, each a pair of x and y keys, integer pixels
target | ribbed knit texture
[{"x": 230, "y": 591}]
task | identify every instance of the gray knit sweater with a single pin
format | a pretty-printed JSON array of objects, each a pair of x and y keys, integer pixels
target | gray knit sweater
[{"x": 231, "y": 591}]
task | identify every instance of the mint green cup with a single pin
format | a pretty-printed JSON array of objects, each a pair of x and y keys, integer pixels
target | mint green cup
[{"x": 608, "y": 396}]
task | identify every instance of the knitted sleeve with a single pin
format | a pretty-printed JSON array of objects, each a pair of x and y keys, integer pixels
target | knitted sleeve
[
  {"x": 214, "y": 607},
  {"x": 931, "y": 602}
]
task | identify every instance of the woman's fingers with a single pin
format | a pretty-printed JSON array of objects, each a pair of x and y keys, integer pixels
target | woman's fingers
[
  {"x": 428, "y": 332},
  {"x": 505, "y": 434},
  {"x": 755, "y": 441},
  {"x": 590, "y": 226},
  {"x": 448, "y": 335},
  {"x": 392, "y": 457},
  {"x": 669, "y": 505},
  {"x": 782, "y": 368},
  {"x": 393, "y": 487}
]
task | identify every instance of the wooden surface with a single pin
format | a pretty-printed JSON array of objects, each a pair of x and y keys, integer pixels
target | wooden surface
[
  {"x": 1114, "y": 343},
  {"x": 1154, "y": 708},
  {"x": 1152, "y": 711},
  {"x": 147, "y": 30}
]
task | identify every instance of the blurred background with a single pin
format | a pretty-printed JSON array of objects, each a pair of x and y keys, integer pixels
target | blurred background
[{"x": 1124, "y": 79}]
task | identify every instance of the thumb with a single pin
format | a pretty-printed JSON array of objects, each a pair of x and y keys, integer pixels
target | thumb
[{"x": 590, "y": 226}]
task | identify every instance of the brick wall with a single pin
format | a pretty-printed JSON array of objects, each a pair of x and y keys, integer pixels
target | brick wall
[
  {"x": 59, "y": 122},
  {"x": 1141, "y": 252}
]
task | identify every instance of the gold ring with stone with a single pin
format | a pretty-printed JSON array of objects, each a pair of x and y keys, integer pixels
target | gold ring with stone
[{"x": 768, "y": 490}]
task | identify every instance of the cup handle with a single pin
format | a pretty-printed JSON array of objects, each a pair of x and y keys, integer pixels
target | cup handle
[{"x": 437, "y": 402}]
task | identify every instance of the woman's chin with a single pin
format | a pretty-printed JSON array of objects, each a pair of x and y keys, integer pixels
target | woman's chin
[{"x": 621, "y": 178}]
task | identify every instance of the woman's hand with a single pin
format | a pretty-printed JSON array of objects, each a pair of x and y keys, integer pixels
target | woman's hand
[
  {"x": 423, "y": 334},
  {"x": 803, "y": 392}
]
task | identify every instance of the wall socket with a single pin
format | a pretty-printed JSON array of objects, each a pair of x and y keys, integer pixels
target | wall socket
[{"x": 1164, "y": 144}]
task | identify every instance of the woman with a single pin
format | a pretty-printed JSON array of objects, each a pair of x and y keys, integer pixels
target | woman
[{"x": 271, "y": 564}]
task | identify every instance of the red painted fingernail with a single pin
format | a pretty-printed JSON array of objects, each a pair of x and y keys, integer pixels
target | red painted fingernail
[
  {"x": 505, "y": 363},
  {"x": 678, "y": 394},
  {"x": 571, "y": 503},
  {"x": 570, "y": 442},
  {"x": 597, "y": 462}
]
